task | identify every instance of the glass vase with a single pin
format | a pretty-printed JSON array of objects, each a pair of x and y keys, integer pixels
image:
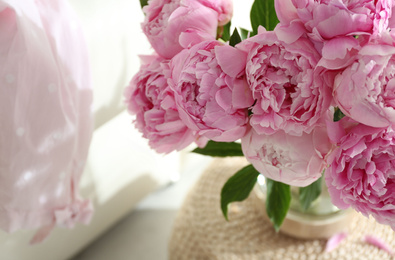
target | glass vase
[{"x": 320, "y": 221}]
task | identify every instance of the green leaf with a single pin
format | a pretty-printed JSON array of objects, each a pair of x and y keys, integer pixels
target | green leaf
[
  {"x": 338, "y": 114},
  {"x": 238, "y": 187},
  {"x": 263, "y": 13},
  {"x": 143, "y": 3},
  {"x": 220, "y": 149},
  {"x": 244, "y": 33},
  {"x": 310, "y": 193},
  {"x": 278, "y": 200},
  {"x": 223, "y": 32},
  {"x": 235, "y": 38}
]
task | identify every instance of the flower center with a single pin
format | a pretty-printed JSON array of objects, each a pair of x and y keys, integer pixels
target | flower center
[{"x": 275, "y": 156}]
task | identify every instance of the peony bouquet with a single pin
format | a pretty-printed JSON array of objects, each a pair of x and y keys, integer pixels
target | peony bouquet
[{"x": 310, "y": 92}]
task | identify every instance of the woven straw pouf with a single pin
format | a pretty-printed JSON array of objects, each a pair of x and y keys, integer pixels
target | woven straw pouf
[{"x": 201, "y": 232}]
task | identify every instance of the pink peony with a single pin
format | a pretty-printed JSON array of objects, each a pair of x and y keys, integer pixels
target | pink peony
[
  {"x": 365, "y": 89},
  {"x": 171, "y": 25},
  {"x": 332, "y": 25},
  {"x": 210, "y": 90},
  {"x": 327, "y": 19},
  {"x": 294, "y": 160},
  {"x": 150, "y": 99},
  {"x": 291, "y": 94},
  {"x": 362, "y": 170}
]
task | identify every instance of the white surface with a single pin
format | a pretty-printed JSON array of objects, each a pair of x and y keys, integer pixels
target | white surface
[
  {"x": 119, "y": 155},
  {"x": 172, "y": 197},
  {"x": 144, "y": 233}
]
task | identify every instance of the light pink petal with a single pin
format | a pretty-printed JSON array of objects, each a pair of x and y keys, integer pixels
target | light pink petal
[
  {"x": 227, "y": 55},
  {"x": 341, "y": 23},
  {"x": 147, "y": 59},
  {"x": 241, "y": 94},
  {"x": 337, "y": 48},
  {"x": 335, "y": 131},
  {"x": 367, "y": 113},
  {"x": 379, "y": 50},
  {"x": 224, "y": 98},
  {"x": 320, "y": 141},
  {"x": 261, "y": 29},
  {"x": 192, "y": 37},
  {"x": 285, "y": 10},
  {"x": 224, "y": 8},
  {"x": 334, "y": 241},
  {"x": 377, "y": 242},
  {"x": 290, "y": 33}
]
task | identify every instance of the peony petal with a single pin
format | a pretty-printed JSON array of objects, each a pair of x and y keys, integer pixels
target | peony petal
[
  {"x": 379, "y": 50},
  {"x": 337, "y": 48},
  {"x": 334, "y": 241},
  {"x": 231, "y": 60},
  {"x": 147, "y": 59},
  {"x": 224, "y": 8},
  {"x": 285, "y": 10},
  {"x": 241, "y": 94},
  {"x": 377, "y": 242},
  {"x": 340, "y": 22},
  {"x": 192, "y": 37},
  {"x": 224, "y": 98},
  {"x": 335, "y": 131},
  {"x": 290, "y": 33}
]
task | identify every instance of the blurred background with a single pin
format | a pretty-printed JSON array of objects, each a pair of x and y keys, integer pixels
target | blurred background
[{"x": 136, "y": 192}]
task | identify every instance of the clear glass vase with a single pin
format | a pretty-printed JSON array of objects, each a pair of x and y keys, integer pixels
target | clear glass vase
[{"x": 321, "y": 220}]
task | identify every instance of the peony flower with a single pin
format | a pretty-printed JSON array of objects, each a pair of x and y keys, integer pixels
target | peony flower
[
  {"x": 362, "y": 170},
  {"x": 290, "y": 93},
  {"x": 150, "y": 99},
  {"x": 210, "y": 90},
  {"x": 332, "y": 25},
  {"x": 172, "y": 25},
  {"x": 293, "y": 160},
  {"x": 328, "y": 19},
  {"x": 364, "y": 90}
]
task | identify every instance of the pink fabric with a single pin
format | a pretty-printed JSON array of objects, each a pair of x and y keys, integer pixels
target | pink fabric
[{"x": 45, "y": 116}]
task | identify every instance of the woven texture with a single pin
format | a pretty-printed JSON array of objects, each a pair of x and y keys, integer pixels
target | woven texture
[{"x": 201, "y": 232}]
